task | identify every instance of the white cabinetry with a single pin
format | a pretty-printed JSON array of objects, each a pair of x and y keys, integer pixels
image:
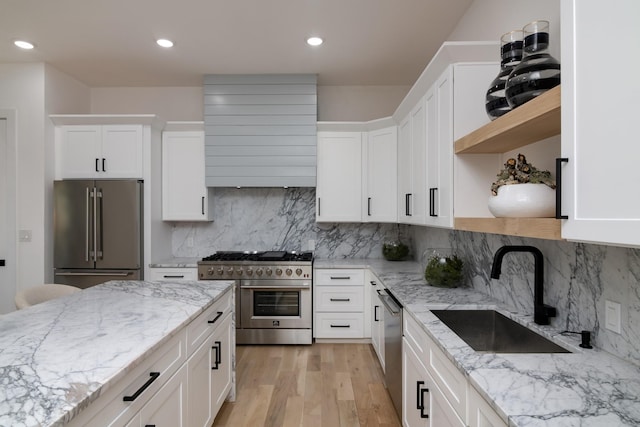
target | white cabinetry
[
  {"x": 99, "y": 151},
  {"x": 173, "y": 274},
  {"x": 377, "y": 319},
  {"x": 381, "y": 176},
  {"x": 599, "y": 128},
  {"x": 480, "y": 413},
  {"x": 339, "y": 177},
  {"x": 432, "y": 384},
  {"x": 183, "y": 383},
  {"x": 412, "y": 166},
  {"x": 338, "y": 303},
  {"x": 184, "y": 194}
]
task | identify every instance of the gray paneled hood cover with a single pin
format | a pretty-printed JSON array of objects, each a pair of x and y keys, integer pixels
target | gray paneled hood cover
[{"x": 260, "y": 130}]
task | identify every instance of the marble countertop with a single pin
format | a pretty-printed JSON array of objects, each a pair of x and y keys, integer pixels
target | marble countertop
[
  {"x": 52, "y": 355},
  {"x": 582, "y": 388},
  {"x": 176, "y": 263}
]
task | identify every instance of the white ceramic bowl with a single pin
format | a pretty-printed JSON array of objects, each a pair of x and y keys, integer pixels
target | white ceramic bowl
[{"x": 523, "y": 201}]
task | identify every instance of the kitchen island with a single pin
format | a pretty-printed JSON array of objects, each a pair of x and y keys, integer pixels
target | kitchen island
[
  {"x": 581, "y": 388},
  {"x": 58, "y": 357}
]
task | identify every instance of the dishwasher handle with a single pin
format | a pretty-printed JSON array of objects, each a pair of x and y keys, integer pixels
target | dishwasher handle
[{"x": 390, "y": 304}]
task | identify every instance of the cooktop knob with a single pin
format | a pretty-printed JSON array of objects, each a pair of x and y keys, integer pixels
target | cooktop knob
[
  {"x": 298, "y": 271},
  {"x": 249, "y": 271},
  {"x": 230, "y": 271},
  {"x": 278, "y": 272},
  {"x": 268, "y": 271},
  {"x": 220, "y": 271},
  {"x": 288, "y": 271},
  {"x": 210, "y": 272},
  {"x": 239, "y": 271},
  {"x": 259, "y": 271}
]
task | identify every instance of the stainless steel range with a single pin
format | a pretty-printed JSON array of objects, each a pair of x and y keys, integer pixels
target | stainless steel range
[{"x": 273, "y": 294}]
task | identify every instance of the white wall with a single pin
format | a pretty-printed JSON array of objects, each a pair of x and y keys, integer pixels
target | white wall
[
  {"x": 335, "y": 103},
  {"x": 489, "y": 19}
]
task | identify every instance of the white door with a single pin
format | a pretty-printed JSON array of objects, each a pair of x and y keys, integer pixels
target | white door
[{"x": 7, "y": 221}]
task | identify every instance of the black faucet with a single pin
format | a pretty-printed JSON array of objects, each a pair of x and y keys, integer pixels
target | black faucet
[{"x": 541, "y": 311}]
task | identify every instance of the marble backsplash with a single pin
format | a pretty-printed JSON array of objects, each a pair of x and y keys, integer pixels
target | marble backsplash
[
  {"x": 578, "y": 279},
  {"x": 278, "y": 219}
]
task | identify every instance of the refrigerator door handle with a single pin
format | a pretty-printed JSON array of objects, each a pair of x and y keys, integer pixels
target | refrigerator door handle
[
  {"x": 86, "y": 226},
  {"x": 99, "y": 244},
  {"x": 95, "y": 224}
]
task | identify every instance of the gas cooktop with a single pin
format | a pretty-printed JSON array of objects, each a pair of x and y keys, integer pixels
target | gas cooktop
[{"x": 281, "y": 256}]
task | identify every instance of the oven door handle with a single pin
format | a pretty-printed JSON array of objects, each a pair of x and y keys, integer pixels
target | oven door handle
[{"x": 278, "y": 288}]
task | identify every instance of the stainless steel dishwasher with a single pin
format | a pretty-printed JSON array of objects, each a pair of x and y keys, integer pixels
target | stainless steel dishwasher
[{"x": 393, "y": 348}]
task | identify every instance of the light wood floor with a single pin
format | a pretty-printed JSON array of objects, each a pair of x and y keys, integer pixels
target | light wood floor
[{"x": 325, "y": 385}]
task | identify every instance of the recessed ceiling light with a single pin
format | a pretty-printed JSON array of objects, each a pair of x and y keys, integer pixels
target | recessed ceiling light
[
  {"x": 164, "y": 43},
  {"x": 24, "y": 44},
  {"x": 314, "y": 41}
]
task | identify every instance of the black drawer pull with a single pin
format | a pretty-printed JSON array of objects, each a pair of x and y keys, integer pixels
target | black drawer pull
[
  {"x": 420, "y": 398},
  {"x": 97, "y": 161},
  {"x": 340, "y": 277},
  {"x": 220, "y": 313},
  {"x": 173, "y": 276},
  {"x": 104, "y": 162},
  {"x": 373, "y": 283},
  {"x": 149, "y": 425},
  {"x": 340, "y": 326},
  {"x": 134, "y": 396},
  {"x": 369, "y": 206},
  {"x": 340, "y": 299},
  {"x": 375, "y": 313}
]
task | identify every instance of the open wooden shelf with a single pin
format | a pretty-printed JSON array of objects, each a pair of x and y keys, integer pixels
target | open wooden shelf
[
  {"x": 537, "y": 119},
  {"x": 540, "y": 228}
]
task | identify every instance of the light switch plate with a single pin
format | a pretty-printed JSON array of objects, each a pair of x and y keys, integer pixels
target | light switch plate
[{"x": 612, "y": 316}]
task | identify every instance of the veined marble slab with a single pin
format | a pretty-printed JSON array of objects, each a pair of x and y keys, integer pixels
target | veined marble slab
[
  {"x": 584, "y": 388},
  {"x": 57, "y": 356}
]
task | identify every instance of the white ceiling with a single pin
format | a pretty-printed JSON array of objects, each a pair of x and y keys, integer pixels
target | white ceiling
[{"x": 112, "y": 42}]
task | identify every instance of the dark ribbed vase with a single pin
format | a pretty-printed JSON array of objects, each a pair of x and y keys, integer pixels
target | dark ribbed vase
[
  {"x": 511, "y": 52},
  {"x": 538, "y": 71}
]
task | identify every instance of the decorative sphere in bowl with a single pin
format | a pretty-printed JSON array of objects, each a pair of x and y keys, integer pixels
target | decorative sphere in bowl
[{"x": 394, "y": 251}]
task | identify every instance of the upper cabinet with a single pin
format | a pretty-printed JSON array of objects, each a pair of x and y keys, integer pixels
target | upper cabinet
[
  {"x": 184, "y": 194},
  {"x": 339, "y": 177},
  {"x": 600, "y": 197},
  {"x": 380, "y": 168},
  {"x": 100, "y": 151}
]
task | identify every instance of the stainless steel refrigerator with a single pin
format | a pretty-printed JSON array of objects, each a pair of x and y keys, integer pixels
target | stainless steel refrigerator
[{"x": 97, "y": 231}]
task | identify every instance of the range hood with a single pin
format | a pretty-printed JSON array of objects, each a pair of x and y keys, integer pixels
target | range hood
[{"x": 260, "y": 130}]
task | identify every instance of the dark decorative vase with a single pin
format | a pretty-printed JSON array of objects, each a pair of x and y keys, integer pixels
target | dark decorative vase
[
  {"x": 538, "y": 71},
  {"x": 511, "y": 52}
]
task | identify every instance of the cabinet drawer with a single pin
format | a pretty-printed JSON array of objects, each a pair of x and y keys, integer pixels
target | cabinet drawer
[
  {"x": 204, "y": 325},
  {"x": 339, "y": 325},
  {"x": 340, "y": 299},
  {"x": 111, "y": 408},
  {"x": 339, "y": 277},
  {"x": 173, "y": 274},
  {"x": 415, "y": 337}
]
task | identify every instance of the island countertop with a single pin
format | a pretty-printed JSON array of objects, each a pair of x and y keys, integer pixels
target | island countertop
[
  {"x": 57, "y": 356},
  {"x": 582, "y": 388}
]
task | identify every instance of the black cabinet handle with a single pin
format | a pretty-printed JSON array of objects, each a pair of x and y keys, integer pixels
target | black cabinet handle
[
  {"x": 559, "y": 162},
  {"x": 177, "y": 276},
  {"x": 407, "y": 197},
  {"x": 373, "y": 283},
  {"x": 149, "y": 425},
  {"x": 420, "y": 398},
  {"x": 134, "y": 396},
  {"x": 2, "y": 263},
  {"x": 202, "y": 205},
  {"x": 318, "y": 206},
  {"x": 340, "y": 277},
  {"x": 104, "y": 163},
  {"x": 432, "y": 202},
  {"x": 340, "y": 326},
  {"x": 218, "y": 350},
  {"x": 215, "y": 319},
  {"x": 97, "y": 162},
  {"x": 340, "y": 299},
  {"x": 369, "y": 206},
  {"x": 375, "y": 313}
]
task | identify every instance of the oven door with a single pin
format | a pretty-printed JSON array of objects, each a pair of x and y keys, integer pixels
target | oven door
[{"x": 273, "y": 304}]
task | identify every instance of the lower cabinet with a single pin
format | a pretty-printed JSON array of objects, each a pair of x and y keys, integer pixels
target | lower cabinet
[
  {"x": 167, "y": 407},
  {"x": 377, "y": 321},
  {"x": 423, "y": 404},
  {"x": 338, "y": 296},
  {"x": 173, "y": 274},
  {"x": 435, "y": 392},
  {"x": 182, "y": 383}
]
